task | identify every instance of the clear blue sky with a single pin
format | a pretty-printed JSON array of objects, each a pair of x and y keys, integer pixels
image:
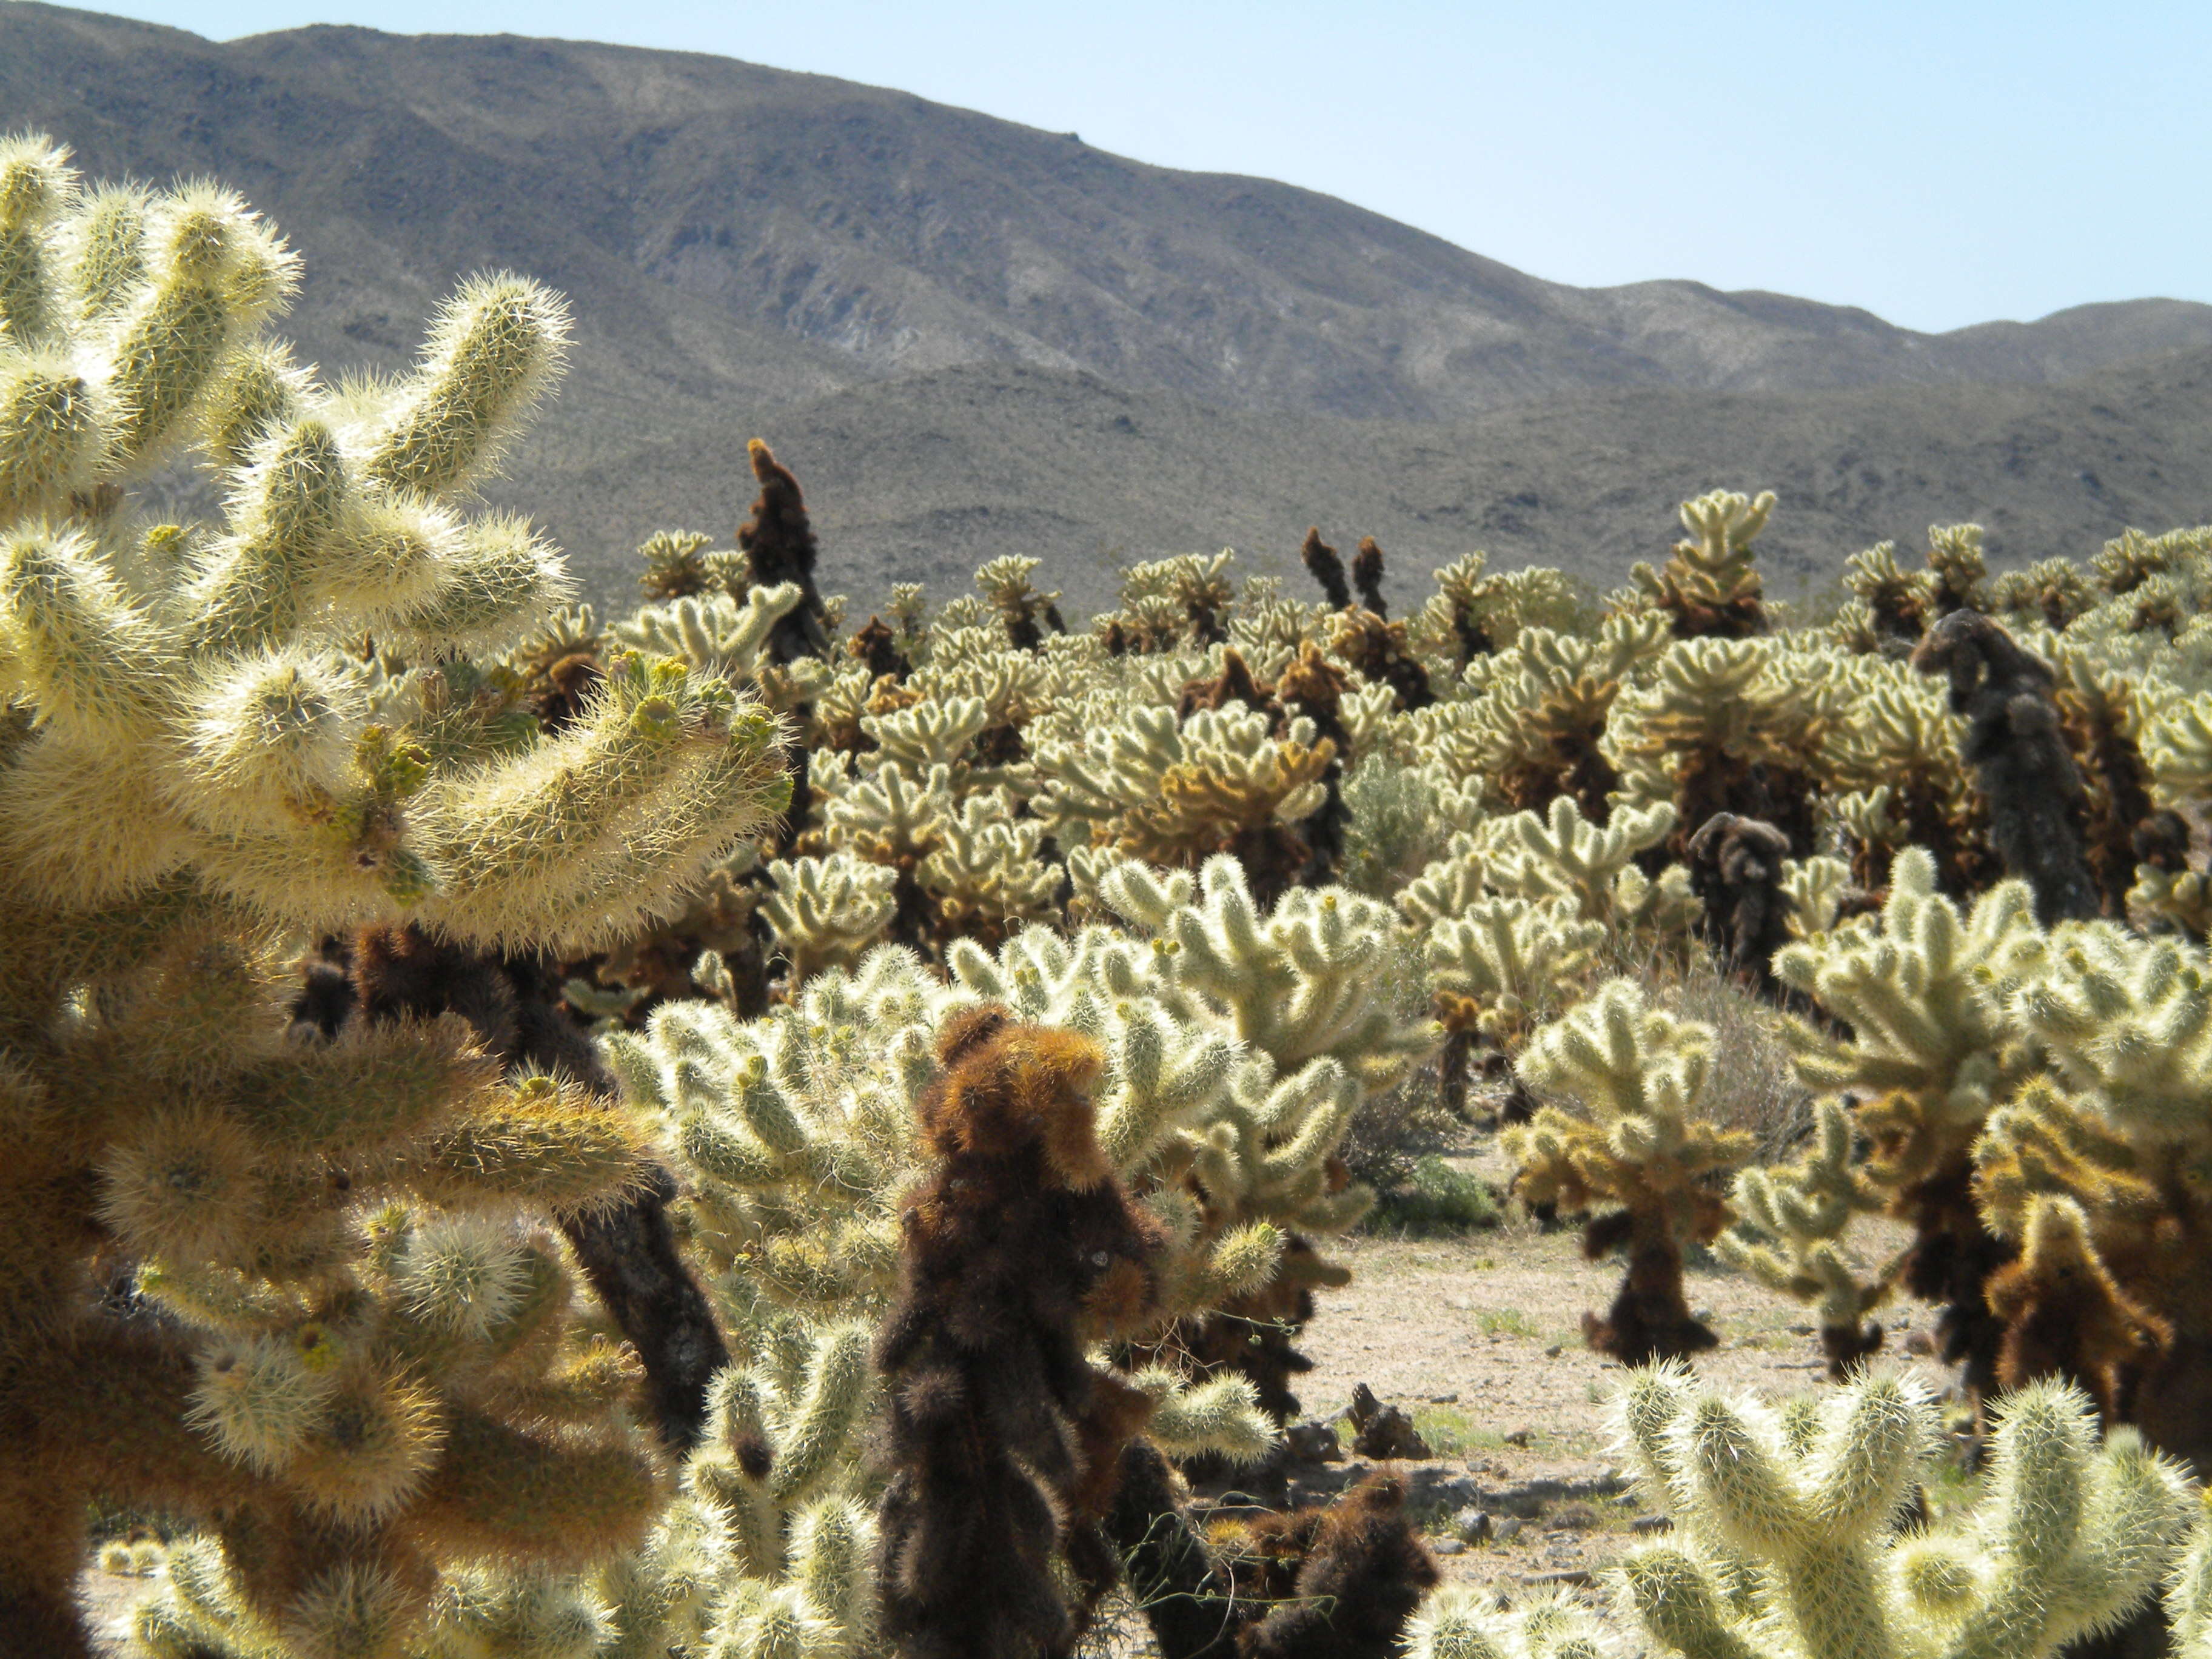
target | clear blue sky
[{"x": 1941, "y": 163}]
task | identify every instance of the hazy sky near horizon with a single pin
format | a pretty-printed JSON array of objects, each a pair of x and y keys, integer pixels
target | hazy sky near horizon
[{"x": 1941, "y": 163}]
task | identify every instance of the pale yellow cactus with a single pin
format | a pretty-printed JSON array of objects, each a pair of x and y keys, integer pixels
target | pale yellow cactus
[
  {"x": 1899, "y": 601},
  {"x": 1562, "y": 856},
  {"x": 1626, "y": 1136},
  {"x": 1789, "y": 1539},
  {"x": 357, "y": 1327},
  {"x": 1534, "y": 734},
  {"x": 1711, "y": 584},
  {"x": 1717, "y": 713},
  {"x": 826, "y": 912},
  {"x": 1789, "y": 1230},
  {"x": 1958, "y": 568}
]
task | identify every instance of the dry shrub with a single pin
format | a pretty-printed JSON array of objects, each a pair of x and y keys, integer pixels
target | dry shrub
[{"x": 1753, "y": 1086}]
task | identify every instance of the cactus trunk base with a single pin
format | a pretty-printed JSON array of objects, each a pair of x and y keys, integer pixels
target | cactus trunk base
[{"x": 1649, "y": 1319}]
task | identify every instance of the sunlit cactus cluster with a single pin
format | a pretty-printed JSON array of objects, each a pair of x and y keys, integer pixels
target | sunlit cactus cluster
[
  {"x": 761, "y": 1127},
  {"x": 305, "y": 1274}
]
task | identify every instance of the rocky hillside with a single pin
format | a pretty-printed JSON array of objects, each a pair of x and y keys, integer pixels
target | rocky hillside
[{"x": 924, "y": 477}]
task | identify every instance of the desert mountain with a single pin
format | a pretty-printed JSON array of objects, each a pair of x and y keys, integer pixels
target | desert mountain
[
  {"x": 991, "y": 338},
  {"x": 923, "y": 477}
]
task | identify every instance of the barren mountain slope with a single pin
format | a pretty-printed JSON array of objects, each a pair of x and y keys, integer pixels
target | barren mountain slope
[
  {"x": 924, "y": 477},
  {"x": 692, "y": 204}
]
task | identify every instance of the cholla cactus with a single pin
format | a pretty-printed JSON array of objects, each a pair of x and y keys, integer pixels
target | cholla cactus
[
  {"x": 1933, "y": 1050},
  {"x": 675, "y": 563},
  {"x": 1901, "y": 601},
  {"x": 1815, "y": 888},
  {"x": 987, "y": 873},
  {"x": 770, "y": 1549},
  {"x": 827, "y": 913},
  {"x": 923, "y": 735},
  {"x": 1309, "y": 996},
  {"x": 777, "y": 544},
  {"x": 1361, "y": 635},
  {"x": 2028, "y": 779},
  {"x": 802, "y": 1146},
  {"x": 1473, "y": 614},
  {"x": 2053, "y": 592},
  {"x": 955, "y": 860},
  {"x": 2188, "y": 1596},
  {"x": 366, "y": 1365},
  {"x": 1150, "y": 619},
  {"x": 1628, "y": 1143},
  {"x": 1495, "y": 966},
  {"x": 1535, "y": 735},
  {"x": 1736, "y": 867},
  {"x": 1710, "y": 586},
  {"x": 764, "y": 1113},
  {"x": 2092, "y": 1174},
  {"x": 1178, "y": 791},
  {"x": 1463, "y": 1623},
  {"x": 1308, "y": 980},
  {"x": 1789, "y": 1537},
  {"x": 2178, "y": 746},
  {"x": 1893, "y": 764},
  {"x": 1725, "y": 726},
  {"x": 1185, "y": 599},
  {"x": 718, "y": 635},
  {"x": 1563, "y": 857},
  {"x": 1024, "y": 612},
  {"x": 2132, "y": 558},
  {"x": 1957, "y": 568},
  {"x": 202, "y": 1609},
  {"x": 1789, "y": 1235},
  {"x": 2103, "y": 716},
  {"x": 2178, "y": 899},
  {"x": 560, "y": 662}
]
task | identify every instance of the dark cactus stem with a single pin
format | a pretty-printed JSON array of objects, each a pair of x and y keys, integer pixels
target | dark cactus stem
[
  {"x": 1952, "y": 1258},
  {"x": 1736, "y": 869},
  {"x": 1322, "y": 563},
  {"x": 2120, "y": 811},
  {"x": 1313, "y": 686},
  {"x": 778, "y": 542},
  {"x": 1364, "y": 1573},
  {"x": 1334, "y": 1583},
  {"x": 1650, "y": 1317},
  {"x": 1234, "y": 683},
  {"x": 1474, "y": 639},
  {"x": 1171, "y": 1574},
  {"x": 1846, "y": 1346},
  {"x": 1367, "y": 576},
  {"x": 876, "y": 647},
  {"x": 628, "y": 1252},
  {"x": 1004, "y": 1443},
  {"x": 2019, "y": 759},
  {"x": 1455, "y": 1069}
]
